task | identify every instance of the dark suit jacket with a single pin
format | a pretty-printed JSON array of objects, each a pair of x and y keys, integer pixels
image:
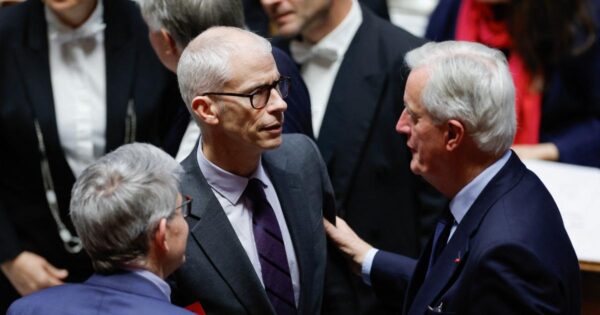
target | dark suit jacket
[
  {"x": 218, "y": 272},
  {"x": 380, "y": 7},
  {"x": 509, "y": 255},
  {"x": 125, "y": 293},
  {"x": 133, "y": 73},
  {"x": 571, "y": 96}
]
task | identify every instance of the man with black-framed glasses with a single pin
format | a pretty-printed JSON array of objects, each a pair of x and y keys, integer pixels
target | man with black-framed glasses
[
  {"x": 256, "y": 236},
  {"x": 130, "y": 216}
]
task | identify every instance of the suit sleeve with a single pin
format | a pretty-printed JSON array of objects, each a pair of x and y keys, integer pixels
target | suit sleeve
[
  {"x": 390, "y": 275},
  {"x": 338, "y": 297},
  {"x": 510, "y": 279},
  {"x": 9, "y": 242}
]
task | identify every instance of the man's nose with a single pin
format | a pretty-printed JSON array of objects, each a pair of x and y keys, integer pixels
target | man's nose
[
  {"x": 403, "y": 123},
  {"x": 276, "y": 102}
]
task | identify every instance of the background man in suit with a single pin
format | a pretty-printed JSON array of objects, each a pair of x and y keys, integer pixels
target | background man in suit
[
  {"x": 352, "y": 62},
  {"x": 173, "y": 24},
  {"x": 257, "y": 244},
  {"x": 79, "y": 79},
  {"x": 127, "y": 209},
  {"x": 501, "y": 247}
]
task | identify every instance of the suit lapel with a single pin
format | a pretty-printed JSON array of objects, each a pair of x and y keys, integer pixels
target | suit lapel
[
  {"x": 34, "y": 62},
  {"x": 290, "y": 197},
  {"x": 354, "y": 100},
  {"x": 210, "y": 228},
  {"x": 449, "y": 264},
  {"x": 120, "y": 70}
]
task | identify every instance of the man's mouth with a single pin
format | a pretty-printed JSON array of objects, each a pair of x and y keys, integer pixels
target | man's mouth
[{"x": 274, "y": 127}]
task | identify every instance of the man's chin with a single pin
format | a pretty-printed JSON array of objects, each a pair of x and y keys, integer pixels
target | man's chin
[
  {"x": 271, "y": 144},
  {"x": 288, "y": 29}
]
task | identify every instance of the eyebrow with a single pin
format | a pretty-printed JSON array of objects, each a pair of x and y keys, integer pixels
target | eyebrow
[
  {"x": 255, "y": 87},
  {"x": 409, "y": 110}
]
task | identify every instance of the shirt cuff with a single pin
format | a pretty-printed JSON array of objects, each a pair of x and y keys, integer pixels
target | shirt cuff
[{"x": 367, "y": 264}]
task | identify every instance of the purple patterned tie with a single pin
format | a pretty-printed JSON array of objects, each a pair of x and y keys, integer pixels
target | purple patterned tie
[{"x": 271, "y": 251}]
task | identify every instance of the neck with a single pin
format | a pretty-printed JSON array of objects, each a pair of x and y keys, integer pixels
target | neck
[
  {"x": 149, "y": 265},
  {"x": 77, "y": 15},
  {"x": 462, "y": 168},
  {"x": 236, "y": 159},
  {"x": 326, "y": 22}
]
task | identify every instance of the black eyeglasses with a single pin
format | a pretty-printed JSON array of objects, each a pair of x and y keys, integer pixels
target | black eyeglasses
[
  {"x": 186, "y": 206},
  {"x": 260, "y": 97}
]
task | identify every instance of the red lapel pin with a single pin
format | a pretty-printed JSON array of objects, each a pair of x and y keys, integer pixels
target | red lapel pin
[{"x": 457, "y": 259}]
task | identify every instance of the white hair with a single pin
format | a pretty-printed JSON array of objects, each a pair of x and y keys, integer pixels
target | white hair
[
  {"x": 469, "y": 82},
  {"x": 117, "y": 202},
  {"x": 204, "y": 65}
]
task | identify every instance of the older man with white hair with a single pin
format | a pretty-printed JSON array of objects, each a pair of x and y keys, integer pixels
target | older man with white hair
[
  {"x": 129, "y": 214},
  {"x": 501, "y": 247}
]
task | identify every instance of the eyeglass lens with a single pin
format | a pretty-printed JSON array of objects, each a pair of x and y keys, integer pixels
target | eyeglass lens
[{"x": 261, "y": 97}]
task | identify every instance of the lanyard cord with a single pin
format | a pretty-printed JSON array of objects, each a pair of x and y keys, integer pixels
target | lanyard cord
[{"x": 72, "y": 243}]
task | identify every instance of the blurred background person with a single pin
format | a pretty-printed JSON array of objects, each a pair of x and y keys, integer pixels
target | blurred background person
[
  {"x": 79, "y": 79},
  {"x": 173, "y": 24},
  {"x": 128, "y": 212},
  {"x": 554, "y": 56}
]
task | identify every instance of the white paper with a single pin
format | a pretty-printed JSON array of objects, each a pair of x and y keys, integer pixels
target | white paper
[{"x": 576, "y": 190}]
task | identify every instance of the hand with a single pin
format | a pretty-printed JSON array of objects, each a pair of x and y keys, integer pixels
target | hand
[
  {"x": 29, "y": 272},
  {"x": 543, "y": 151},
  {"x": 348, "y": 242}
]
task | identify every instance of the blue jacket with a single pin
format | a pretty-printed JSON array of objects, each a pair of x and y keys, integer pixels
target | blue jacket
[
  {"x": 123, "y": 293},
  {"x": 510, "y": 254}
]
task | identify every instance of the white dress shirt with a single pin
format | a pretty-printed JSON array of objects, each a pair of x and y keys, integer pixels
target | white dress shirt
[
  {"x": 78, "y": 76},
  {"x": 411, "y": 15},
  {"x": 188, "y": 141},
  {"x": 459, "y": 206},
  {"x": 229, "y": 188},
  {"x": 321, "y": 62}
]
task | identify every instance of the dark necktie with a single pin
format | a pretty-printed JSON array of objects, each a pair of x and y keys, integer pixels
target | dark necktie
[
  {"x": 271, "y": 251},
  {"x": 440, "y": 238}
]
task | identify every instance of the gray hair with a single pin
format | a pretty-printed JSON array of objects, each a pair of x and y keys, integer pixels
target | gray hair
[
  {"x": 185, "y": 19},
  {"x": 469, "y": 82},
  {"x": 118, "y": 201},
  {"x": 204, "y": 65}
]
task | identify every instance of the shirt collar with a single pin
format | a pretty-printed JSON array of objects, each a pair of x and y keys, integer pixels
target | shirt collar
[
  {"x": 162, "y": 285},
  {"x": 228, "y": 185},
  {"x": 336, "y": 43},
  {"x": 462, "y": 202}
]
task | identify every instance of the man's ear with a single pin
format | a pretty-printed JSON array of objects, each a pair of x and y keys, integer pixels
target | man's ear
[
  {"x": 205, "y": 109},
  {"x": 170, "y": 43},
  {"x": 454, "y": 134},
  {"x": 160, "y": 236}
]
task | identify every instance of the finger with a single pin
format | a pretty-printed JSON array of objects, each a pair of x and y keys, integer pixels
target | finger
[
  {"x": 328, "y": 226},
  {"x": 55, "y": 272},
  {"x": 52, "y": 281}
]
